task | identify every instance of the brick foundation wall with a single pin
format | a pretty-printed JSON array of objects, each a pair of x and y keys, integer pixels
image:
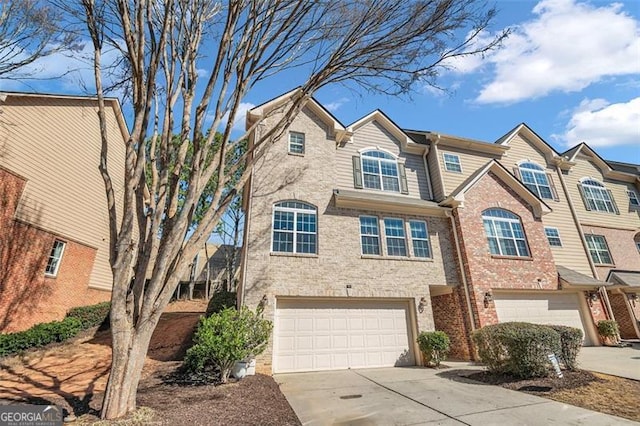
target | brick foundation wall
[
  {"x": 623, "y": 318},
  {"x": 450, "y": 316},
  {"x": 27, "y": 296}
]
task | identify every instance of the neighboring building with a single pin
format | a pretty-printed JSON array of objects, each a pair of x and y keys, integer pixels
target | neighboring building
[
  {"x": 209, "y": 271},
  {"x": 359, "y": 237},
  {"x": 54, "y": 236}
]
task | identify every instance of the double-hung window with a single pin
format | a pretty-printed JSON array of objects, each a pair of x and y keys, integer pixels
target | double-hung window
[
  {"x": 633, "y": 198},
  {"x": 598, "y": 249},
  {"x": 55, "y": 256},
  {"x": 504, "y": 233},
  {"x": 296, "y": 143},
  {"x": 452, "y": 163},
  {"x": 395, "y": 236},
  {"x": 420, "y": 239},
  {"x": 294, "y": 228},
  {"x": 596, "y": 196},
  {"x": 535, "y": 178},
  {"x": 553, "y": 236},
  {"x": 369, "y": 235}
]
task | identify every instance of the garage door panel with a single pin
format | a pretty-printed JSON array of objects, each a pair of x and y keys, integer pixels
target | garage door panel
[{"x": 322, "y": 335}]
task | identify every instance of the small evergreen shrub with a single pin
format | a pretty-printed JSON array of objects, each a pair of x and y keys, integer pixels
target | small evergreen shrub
[
  {"x": 224, "y": 338},
  {"x": 92, "y": 315},
  {"x": 608, "y": 328},
  {"x": 517, "y": 348},
  {"x": 39, "y": 335},
  {"x": 570, "y": 344},
  {"x": 220, "y": 301},
  {"x": 434, "y": 345}
]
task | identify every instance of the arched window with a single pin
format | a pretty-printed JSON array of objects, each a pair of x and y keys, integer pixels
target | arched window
[
  {"x": 535, "y": 178},
  {"x": 294, "y": 227},
  {"x": 377, "y": 169},
  {"x": 596, "y": 196},
  {"x": 636, "y": 240},
  {"x": 504, "y": 233}
]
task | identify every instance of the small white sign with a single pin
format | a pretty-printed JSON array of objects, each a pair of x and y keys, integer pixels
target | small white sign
[{"x": 556, "y": 364}]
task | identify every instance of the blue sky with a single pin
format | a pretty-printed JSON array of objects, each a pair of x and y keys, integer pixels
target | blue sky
[{"x": 570, "y": 70}]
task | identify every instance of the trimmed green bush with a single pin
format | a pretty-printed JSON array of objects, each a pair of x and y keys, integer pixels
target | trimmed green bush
[
  {"x": 517, "y": 348},
  {"x": 93, "y": 315},
  {"x": 220, "y": 301},
  {"x": 608, "y": 328},
  {"x": 224, "y": 338},
  {"x": 434, "y": 345},
  {"x": 39, "y": 335},
  {"x": 570, "y": 344}
]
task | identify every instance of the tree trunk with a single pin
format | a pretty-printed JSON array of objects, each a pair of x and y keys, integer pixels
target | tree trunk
[{"x": 129, "y": 348}]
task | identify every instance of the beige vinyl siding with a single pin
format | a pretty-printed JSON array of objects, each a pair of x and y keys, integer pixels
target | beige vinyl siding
[
  {"x": 627, "y": 219},
  {"x": 434, "y": 172},
  {"x": 55, "y": 144},
  {"x": 470, "y": 161},
  {"x": 572, "y": 254},
  {"x": 373, "y": 135}
]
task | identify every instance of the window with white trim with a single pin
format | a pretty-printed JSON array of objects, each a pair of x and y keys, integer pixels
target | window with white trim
[
  {"x": 598, "y": 249},
  {"x": 296, "y": 143},
  {"x": 420, "y": 238},
  {"x": 395, "y": 237},
  {"x": 553, "y": 236},
  {"x": 294, "y": 228},
  {"x": 596, "y": 196},
  {"x": 452, "y": 163},
  {"x": 636, "y": 239},
  {"x": 380, "y": 171},
  {"x": 369, "y": 235},
  {"x": 633, "y": 198},
  {"x": 535, "y": 178},
  {"x": 504, "y": 233},
  {"x": 55, "y": 257}
]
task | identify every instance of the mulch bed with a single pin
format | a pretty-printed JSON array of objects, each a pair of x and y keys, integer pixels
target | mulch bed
[{"x": 570, "y": 380}]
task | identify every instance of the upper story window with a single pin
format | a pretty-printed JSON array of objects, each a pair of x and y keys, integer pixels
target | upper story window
[
  {"x": 399, "y": 240},
  {"x": 376, "y": 169},
  {"x": 55, "y": 256},
  {"x": 420, "y": 238},
  {"x": 369, "y": 235},
  {"x": 553, "y": 236},
  {"x": 598, "y": 249},
  {"x": 636, "y": 239},
  {"x": 294, "y": 227},
  {"x": 596, "y": 196},
  {"x": 394, "y": 232},
  {"x": 452, "y": 163},
  {"x": 296, "y": 143},
  {"x": 504, "y": 233},
  {"x": 633, "y": 198},
  {"x": 536, "y": 179}
]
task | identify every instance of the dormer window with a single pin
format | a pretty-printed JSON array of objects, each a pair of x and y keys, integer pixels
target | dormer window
[
  {"x": 596, "y": 196},
  {"x": 377, "y": 169},
  {"x": 536, "y": 178}
]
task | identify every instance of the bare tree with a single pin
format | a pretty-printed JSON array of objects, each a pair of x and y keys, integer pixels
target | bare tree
[
  {"x": 230, "y": 231},
  {"x": 28, "y": 31},
  {"x": 188, "y": 65}
]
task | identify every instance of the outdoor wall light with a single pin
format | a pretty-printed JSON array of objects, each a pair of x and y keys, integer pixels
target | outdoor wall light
[
  {"x": 633, "y": 297},
  {"x": 488, "y": 298},
  {"x": 593, "y": 297},
  {"x": 422, "y": 304}
]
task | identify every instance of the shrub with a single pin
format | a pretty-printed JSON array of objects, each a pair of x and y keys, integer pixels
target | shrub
[
  {"x": 226, "y": 337},
  {"x": 93, "y": 315},
  {"x": 608, "y": 328},
  {"x": 220, "y": 301},
  {"x": 517, "y": 348},
  {"x": 39, "y": 335},
  {"x": 434, "y": 345},
  {"x": 570, "y": 344}
]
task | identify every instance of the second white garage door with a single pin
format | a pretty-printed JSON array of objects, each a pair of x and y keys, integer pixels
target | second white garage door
[
  {"x": 312, "y": 335},
  {"x": 540, "y": 308}
]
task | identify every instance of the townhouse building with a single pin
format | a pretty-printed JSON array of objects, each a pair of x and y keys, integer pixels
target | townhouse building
[
  {"x": 54, "y": 235},
  {"x": 359, "y": 237}
]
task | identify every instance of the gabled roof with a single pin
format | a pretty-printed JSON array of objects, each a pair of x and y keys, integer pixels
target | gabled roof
[
  {"x": 610, "y": 169},
  {"x": 586, "y": 149},
  {"x": 523, "y": 129},
  {"x": 624, "y": 167},
  {"x": 426, "y": 136},
  {"x": 406, "y": 142},
  {"x": 458, "y": 195}
]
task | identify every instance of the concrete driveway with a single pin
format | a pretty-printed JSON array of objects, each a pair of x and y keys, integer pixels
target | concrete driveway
[
  {"x": 622, "y": 362},
  {"x": 417, "y": 396}
]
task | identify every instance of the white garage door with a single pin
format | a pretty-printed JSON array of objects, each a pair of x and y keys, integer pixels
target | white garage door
[
  {"x": 540, "y": 308},
  {"x": 339, "y": 334}
]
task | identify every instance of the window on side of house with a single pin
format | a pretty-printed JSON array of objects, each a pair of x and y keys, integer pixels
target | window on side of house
[
  {"x": 598, "y": 249},
  {"x": 380, "y": 171},
  {"x": 596, "y": 196},
  {"x": 634, "y": 201},
  {"x": 55, "y": 257},
  {"x": 553, "y": 236},
  {"x": 420, "y": 239},
  {"x": 504, "y": 233},
  {"x": 294, "y": 228},
  {"x": 369, "y": 235},
  {"x": 452, "y": 163},
  {"x": 536, "y": 179},
  {"x": 296, "y": 143},
  {"x": 395, "y": 237},
  {"x": 636, "y": 239}
]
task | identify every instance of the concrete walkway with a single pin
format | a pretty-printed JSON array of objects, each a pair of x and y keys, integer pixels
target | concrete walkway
[
  {"x": 622, "y": 362},
  {"x": 422, "y": 396}
]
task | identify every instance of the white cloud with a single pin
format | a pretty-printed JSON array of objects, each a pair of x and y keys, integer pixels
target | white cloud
[
  {"x": 238, "y": 123},
  {"x": 333, "y": 106},
  {"x": 566, "y": 47},
  {"x": 601, "y": 124}
]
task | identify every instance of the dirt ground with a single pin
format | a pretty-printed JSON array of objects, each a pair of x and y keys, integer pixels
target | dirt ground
[
  {"x": 74, "y": 375},
  {"x": 595, "y": 391}
]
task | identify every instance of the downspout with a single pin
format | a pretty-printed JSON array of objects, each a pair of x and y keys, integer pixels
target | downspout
[
  {"x": 434, "y": 149},
  {"x": 426, "y": 171},
  {"x": 463, "y": 274}
]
